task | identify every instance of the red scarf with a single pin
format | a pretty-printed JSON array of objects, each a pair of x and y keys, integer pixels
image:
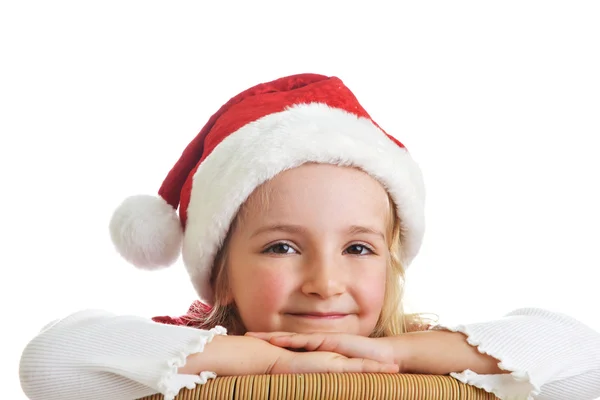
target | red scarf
[{"x": 197, "y": 312}]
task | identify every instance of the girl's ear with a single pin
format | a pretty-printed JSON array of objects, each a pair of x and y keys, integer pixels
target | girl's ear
[
  {"x": 219, "y": 280},
  {"x": 224, "y": 288},
  {"x": 227, "y": 297}
]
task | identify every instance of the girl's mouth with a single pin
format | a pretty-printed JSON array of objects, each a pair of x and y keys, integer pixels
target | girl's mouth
[{"x": 318, "y": 315}]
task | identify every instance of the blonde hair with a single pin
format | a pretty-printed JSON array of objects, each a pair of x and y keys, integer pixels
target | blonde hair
[{"x": 392, "y": 320}]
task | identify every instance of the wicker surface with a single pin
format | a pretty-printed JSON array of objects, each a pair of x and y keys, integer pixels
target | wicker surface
[{"x": 332, "y": 386}]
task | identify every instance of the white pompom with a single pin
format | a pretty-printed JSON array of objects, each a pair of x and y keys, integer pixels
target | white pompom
[{"x": 147, "y": 232}]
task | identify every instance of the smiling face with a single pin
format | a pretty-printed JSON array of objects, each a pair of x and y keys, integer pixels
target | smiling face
[{"x": 309, "y": 252}]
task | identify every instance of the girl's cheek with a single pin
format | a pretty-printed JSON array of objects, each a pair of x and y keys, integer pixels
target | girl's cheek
[
  {"x": 262, "y": 295},
  {"x": 372, "y": 289},
  {"x": 271, "y": 288}
]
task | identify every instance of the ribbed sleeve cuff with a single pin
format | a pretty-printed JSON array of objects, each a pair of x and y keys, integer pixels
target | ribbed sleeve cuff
[
  {"x": 94, "y": 354},
  {"x": 537, "y": 347}
]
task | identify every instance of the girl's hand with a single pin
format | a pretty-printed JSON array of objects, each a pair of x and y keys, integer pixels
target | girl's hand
[
  {"x": 354, "y": 346},
  {"x": 427, "y": 352},
  {"x": 247, "y": 355},
  {"x": 323, "y": 361}
]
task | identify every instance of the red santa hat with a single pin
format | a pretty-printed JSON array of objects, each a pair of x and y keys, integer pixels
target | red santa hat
[{"x": 257, "y": 134}]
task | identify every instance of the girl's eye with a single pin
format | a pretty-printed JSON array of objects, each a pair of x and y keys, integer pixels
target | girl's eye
[
  {"x": 280, "y": 248},
  {"x": 358, "y": 250}
]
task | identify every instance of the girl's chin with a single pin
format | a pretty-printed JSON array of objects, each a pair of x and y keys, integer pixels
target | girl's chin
[{"x": 310, "y": 324}]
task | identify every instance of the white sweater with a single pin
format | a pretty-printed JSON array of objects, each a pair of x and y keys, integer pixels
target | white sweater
[{"x": 97, "y": 355}]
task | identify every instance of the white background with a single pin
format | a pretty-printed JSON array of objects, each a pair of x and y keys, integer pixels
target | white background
[{"x": 500, "y": 105}]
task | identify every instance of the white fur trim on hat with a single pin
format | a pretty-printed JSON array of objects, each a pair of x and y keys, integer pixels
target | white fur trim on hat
[
  {"x": 146, "y": 232},
  {"x": 260, "y": 150}
]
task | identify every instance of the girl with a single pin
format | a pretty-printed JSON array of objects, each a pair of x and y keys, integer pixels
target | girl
[{"x": 298, "y": 216}]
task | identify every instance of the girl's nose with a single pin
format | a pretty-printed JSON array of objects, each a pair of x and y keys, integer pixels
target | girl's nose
[{"x": 323, "y": 278}]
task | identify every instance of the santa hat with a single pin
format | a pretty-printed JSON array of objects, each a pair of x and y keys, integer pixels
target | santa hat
[{"x": 257, "y": 134}]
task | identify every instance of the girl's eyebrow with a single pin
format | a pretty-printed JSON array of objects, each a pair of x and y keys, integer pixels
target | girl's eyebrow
[
  {"x": 279, "y": 228},
  {"x": 297, "y": 229},
  {"x": 358, "y": 229}
]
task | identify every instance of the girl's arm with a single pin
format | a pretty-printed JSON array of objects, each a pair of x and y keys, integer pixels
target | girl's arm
[
  {"x": 542, "y": 354},
  {"x": 97, "y": 355},
  {"x": 530, "y": 352},
  {"x": 94, "y": 354}
]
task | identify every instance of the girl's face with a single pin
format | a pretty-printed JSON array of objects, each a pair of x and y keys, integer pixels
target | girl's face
[{"x": 309, "y": 252}]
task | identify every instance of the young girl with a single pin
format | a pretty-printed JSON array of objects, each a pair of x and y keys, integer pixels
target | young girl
[{"x": 298, "y": 216}]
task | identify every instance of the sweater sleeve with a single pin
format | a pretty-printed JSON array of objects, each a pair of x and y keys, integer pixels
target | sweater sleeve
[
  {"x": 550, "y": 356},
  {"x": 94, "y": 354}
]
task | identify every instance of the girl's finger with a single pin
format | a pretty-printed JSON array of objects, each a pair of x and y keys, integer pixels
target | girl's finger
[
  {"x": 348, "y": 345},
  {"x": 367, "y": 366},
  {"x": 267, "y": 335},
  {"x": 308, "y": 342}
]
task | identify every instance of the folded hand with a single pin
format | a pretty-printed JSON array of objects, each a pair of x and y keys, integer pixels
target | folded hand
[{"x": 377, "y": 350}]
